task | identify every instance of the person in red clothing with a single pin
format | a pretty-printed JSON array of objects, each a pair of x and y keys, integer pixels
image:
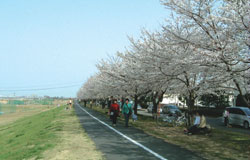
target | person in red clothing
[{"x": 114, "y": 111}]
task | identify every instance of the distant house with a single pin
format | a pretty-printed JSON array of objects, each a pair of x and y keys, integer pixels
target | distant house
[{"x": 172, "y": 99}]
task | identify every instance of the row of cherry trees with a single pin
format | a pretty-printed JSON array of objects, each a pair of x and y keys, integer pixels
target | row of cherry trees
[{"x": 202, "y": 48}]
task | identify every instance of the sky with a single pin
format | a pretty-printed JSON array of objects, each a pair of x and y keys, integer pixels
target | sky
[{"x": 55, "y": 45}]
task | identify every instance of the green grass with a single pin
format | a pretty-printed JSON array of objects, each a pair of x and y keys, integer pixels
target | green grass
[
  {"x": 16, "y": 102},
  {"x": 237, "y": 141},
  {"x": 30, "y": 136},
  {"x": 42, "y": 102},
  {"x": 47, "y": 101}
]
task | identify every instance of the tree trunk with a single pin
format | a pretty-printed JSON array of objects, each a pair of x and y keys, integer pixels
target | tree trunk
[
  {"x": 157, "y": 98},
  {"x": 135, "y": 103},
  {"x": 190, "y": 104},
  {"x": 155, "y": 105},
  {"x": 244, "y": 100}
]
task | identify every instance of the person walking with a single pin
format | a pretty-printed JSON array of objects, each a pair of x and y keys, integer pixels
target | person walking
[
  {"x": 85, "y": 103},
  {"x": 110, "y": 100},
  {"x": 103, "y": 103},
  {"x": 91, "y": 103},
  {"x": 226, "y": 117},
  {"x": 70, "y": 103},
  {"x": 114, "y": 111},
  {"x": 126, "y": 111}
]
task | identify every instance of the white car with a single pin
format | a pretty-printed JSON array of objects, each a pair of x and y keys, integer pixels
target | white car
[{"x": 239, "y": 116}]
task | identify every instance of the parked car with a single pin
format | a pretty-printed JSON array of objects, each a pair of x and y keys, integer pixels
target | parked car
[
  {"x": 138, "y": 106},
  {"x": 238, "y": 116},
  {"x": 171, "y": 110},
  {"x": 150, "y": 109}
]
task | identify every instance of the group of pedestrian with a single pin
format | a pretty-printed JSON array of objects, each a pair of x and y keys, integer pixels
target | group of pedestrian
[{"x": 114, "y": 111}]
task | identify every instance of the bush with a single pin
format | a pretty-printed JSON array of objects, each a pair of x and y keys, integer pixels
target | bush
[
  {"x": 210, "y": 112},
  {"x": 219, "y": 101}
]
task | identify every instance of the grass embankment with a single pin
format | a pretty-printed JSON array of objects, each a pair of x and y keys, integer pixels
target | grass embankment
[
  {"x": 44, "y": 136},
  {"x": 7, "y": 108},
  {"x": 219, "y": 145},
  {"x": 20, "y": 111},
  {"x": 29, "y": 136}
]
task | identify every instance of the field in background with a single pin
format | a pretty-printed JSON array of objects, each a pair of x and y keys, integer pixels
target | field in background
[
  {"x": 20, "y": 112},
  {"x": 18, "y": 105},
  {"x": 7, "y": 108},
  {"x": 12, "y": 110}
]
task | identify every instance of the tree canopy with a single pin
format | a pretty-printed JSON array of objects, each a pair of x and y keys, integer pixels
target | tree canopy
[{"x": 202, "y": 48}]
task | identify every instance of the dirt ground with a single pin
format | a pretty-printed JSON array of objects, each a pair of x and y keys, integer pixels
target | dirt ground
[{"x": 74, "y": 142}]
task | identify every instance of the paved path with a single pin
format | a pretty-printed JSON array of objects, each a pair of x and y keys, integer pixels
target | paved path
[{"x": 127, "y": 143}]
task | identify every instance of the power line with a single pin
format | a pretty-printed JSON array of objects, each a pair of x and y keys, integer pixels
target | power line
[
  {"x": 40, "y": 86},
  {"x": 37, "y": 89}
]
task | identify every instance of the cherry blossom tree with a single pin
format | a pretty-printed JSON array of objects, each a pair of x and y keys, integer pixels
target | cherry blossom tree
[
  {"x": 124, "y": 77},
  {"x": 222, "y": 37},
  {"x": 202, "y": 49}
]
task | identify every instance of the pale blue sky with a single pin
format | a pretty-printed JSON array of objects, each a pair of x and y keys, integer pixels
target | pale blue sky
[{"x": 55, "y": 43}]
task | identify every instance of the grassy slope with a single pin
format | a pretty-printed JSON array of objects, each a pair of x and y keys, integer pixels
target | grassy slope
[
  {"x": 21, "y": 112},
  {"x": 52, "y": 134},
  {"x": 7, "y": 108},
  {"x": 29, "y": 136}
]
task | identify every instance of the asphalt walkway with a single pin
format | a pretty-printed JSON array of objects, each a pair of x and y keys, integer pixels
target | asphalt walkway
[{"x": 121, "y": 143}]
